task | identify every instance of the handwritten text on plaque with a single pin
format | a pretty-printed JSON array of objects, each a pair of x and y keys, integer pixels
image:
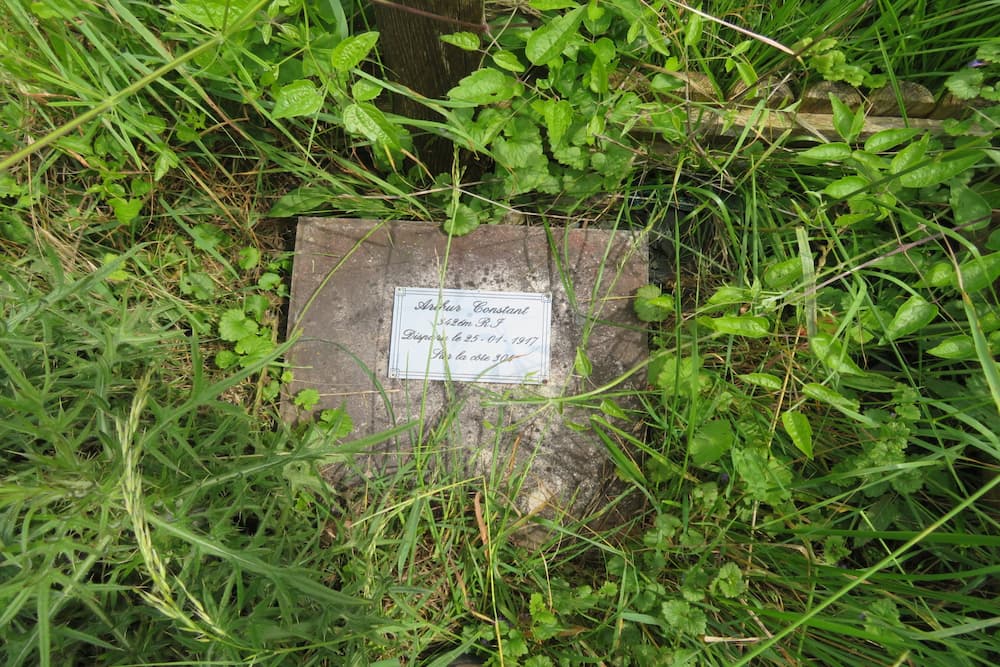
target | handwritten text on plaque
[{"x": 470, "y": 335}]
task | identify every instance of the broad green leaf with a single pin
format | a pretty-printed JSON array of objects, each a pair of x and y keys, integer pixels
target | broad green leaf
[
  {"x": 462, "y": 222},
  {"x": 797, "y": 426},
  {"x": 955, "y": 347},
  {"x": 550, "y": 5},
  {"x": 582, "y": 365},
  {"x": 940, "y": 170},
  {"x": 910, "y": 156},
  {"x": 692, "y": 31},
  {"x": 558, "y": 118},
  {"x": 548, "y": 41},
  {"x": 915, "y": 313},
  {"x": 710, "y": 442},
  {"x": 835, "y": 399},
  {"x": 765, "y": 380},
  {"x": 234, "y": 325},
  {"x": 847, "y": 123},
  {"x": 485, "y": 86},
  {"x": 886, "y": 139},
  {"x": 304, "y": 199},
  {"x": 740, "y": 325},
  {"x": 349, "y": 53},
  {"x": 783, "y": 274},
  {"x": 978, "y": 273},
  {"x": 830, "y": 351},
  {"x": 845, "y": 187},
  {"x": 368, "y": 121},
  {"x": 509, "y": 61},
  {"x": 467, "y": 41},
  {"x": 364, "y": 90},
  {"x": 612, "y": 409},
  {"x": 729, "y": 295},
  {"x": 299, "y": 98},
  {"x": 940, "y": 274},
  {"x": 832, "y": 152},
  {"x": 969, "y": 207},
  {"x": 651, "y": 305}
]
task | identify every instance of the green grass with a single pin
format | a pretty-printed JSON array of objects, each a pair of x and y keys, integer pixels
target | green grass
[{"x": 155, "y": 509}]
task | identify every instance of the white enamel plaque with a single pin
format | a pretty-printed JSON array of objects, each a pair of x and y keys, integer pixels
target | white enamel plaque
[{"x": 470, "y": 335}]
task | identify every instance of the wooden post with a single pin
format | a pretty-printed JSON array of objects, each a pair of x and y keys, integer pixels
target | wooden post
[{"x": 412, "y": 50}]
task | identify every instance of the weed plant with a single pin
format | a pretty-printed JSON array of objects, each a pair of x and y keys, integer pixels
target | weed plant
[{"x": 818, "y": 451}]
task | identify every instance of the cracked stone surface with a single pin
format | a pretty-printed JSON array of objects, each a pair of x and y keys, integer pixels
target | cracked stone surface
[{"x": 526, "y": 439}]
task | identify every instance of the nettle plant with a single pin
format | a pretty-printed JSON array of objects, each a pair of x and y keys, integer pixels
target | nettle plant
[{"x": 853, "y": 326}]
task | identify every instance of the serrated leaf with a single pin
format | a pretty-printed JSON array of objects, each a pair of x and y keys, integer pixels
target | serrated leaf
[
  {"x": 234, "y": 325},
  {"x": 508, "y": 61},
  {"x": 467, "y": 41},
  {"x": 729, "y": 582},
  {"x": 463, "y": 221},
  {"x": 548, "y": 40},
  {"x": 749, "y": 326},
  {"x": 336, "y": 422},
  {"x": 226, "y": 359},
  {"x": 558, "y": 118},
  {"x": 126, "y": 210},
  {"x": 798, "y": 428},
  {"x": 965, "y": 84},
  {"x": 886, "y": 139},
  {"x": 307, "y": 399},
  {"x": 673, "y": 375},
  {"x": 915, "y": 313},
  {"x": 683, "y": 617},
  {"x": 651, "y": 305},
  {"x": 767, "y": 479},
  {"x": 249, "y": 257},
  {"x": 832, "y": 152},
  {"x": 299, "y": 98},
  {"x": 765, "y": 380},
  {"x": 349, "y": 53},
  {"x": 710, "y": 442}
]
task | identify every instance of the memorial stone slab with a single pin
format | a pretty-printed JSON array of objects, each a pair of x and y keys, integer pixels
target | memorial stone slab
[{"x": 473, "y": 341}]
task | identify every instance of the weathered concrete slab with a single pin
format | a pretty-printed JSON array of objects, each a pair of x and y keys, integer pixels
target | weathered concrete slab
[{"x": 343, "y": 282}]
